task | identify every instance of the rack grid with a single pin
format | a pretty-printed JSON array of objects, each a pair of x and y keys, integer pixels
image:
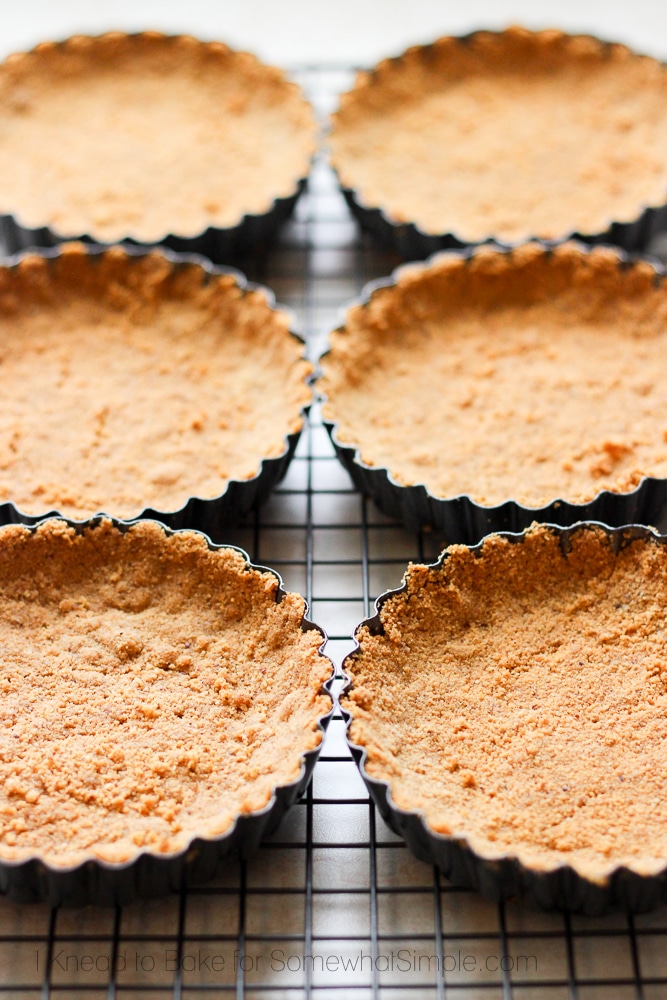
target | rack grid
[{"x": 333, "y": 904}]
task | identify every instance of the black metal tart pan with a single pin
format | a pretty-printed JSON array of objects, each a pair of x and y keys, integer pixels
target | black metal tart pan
[
  {"x": 252, "y": 235},
  {"x": 149, "y": 874},
  {"x": 460, "y": 519},
  {"x": 210, "y": 515},
  {"x": 411, "y": 242},
  {"x": 562, "y": 888}
]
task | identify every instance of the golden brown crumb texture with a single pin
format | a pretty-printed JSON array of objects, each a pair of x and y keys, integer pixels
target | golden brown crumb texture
[
  {"x": 131, "y": 382},
  {"x": 511, "y": 135},
  {"x": 518, "y": 697},
  {"x": 145, "y": 135},
  {"x": 152, "y": 691},
  {"x": 528, "y": 376}
]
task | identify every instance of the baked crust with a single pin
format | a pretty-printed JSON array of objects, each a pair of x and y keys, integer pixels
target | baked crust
[
  {"x": 508, "y": 135},
  {"x": 131, "y": 382},
  {"x": 532, "y": 375},
  {"x": 516, "y": 695},
  {"x": 153, "y": 690},
  {"x": 145, "y": 135}
]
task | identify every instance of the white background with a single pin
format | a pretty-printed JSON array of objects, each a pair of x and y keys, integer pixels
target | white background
[{"x": 360, "y": 31}]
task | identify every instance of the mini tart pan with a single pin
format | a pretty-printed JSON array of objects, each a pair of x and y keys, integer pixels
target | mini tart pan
[
  {"x": 514, "y": 50},
  {"x": 495, "y": 873},
  {"x": 460, "y": 518},
  {"x": 152, "y": 872},
  {"x": 138, "y": 280},
  {"x": 253, "y": 235},
  {"x": 194, "y": 216}
]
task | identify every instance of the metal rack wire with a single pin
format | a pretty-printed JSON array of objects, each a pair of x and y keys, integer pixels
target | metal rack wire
[{"x": 333, "y": 904}]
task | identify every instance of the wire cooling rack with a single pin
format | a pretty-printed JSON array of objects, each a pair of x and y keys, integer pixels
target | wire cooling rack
[{"x": 333, "y": 904}]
